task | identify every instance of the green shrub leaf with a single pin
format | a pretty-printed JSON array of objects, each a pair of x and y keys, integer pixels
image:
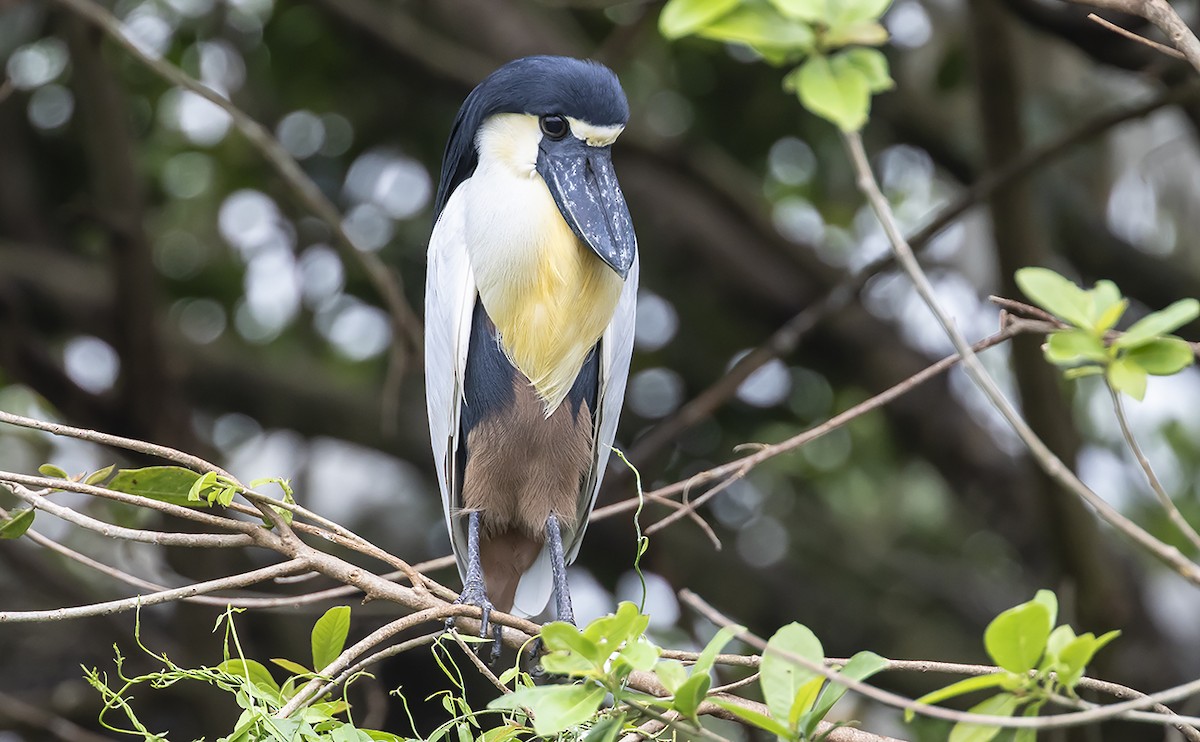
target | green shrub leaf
[
  {"x": 1125, "y": 375},
  {"x": 554, "y": 707},
  {"x": 329, "y": 635},
  {"x": 1017, "y": 637},
  {"x": 1074, "y": 346},
  {"x": 560, "y": 636},
  {"x": 754, "y": 718},
  {"x": 1056, "y": 295},
  {"x": 689, "y": 695},
  {"x": 671, "y": 673},
  {"x": 1163, "y": 356},
  {"x": 860, "y": 667},
  {"x": 708, "y": 657},
  {"x": 17, "y": 524},
  {"x": 834, "y": 89},
  {"x": 1159, "y": 323},
  {"x": 803, "y": 10},
  {"x": 50, "y": 470},
  {"x": 255, "y": 671},
  {"x": 606, "y": 730},
  {"x": 873, "y": 65},
  {"x": 781, "y": 677},
  {"x": 763, "y": 29},
  {"x": 682, "y": 17},
  {"x": 1003, "y": 704},
  {"x": 170, "y": 484},
  {"x": 962, "y": 687}
]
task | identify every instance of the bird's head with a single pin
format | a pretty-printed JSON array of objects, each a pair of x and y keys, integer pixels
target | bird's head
[{"x": 558, "y": 117}]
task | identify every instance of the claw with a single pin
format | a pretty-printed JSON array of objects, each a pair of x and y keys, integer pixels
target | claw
[{"x": 475, "y": 592}]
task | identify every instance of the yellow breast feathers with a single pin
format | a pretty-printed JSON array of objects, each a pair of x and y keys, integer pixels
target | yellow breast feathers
[{"x": 549, "y": 295}]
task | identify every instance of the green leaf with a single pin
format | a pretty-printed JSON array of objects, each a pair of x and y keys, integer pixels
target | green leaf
[
  {"x": 627, "y": 622},
  {"x": 873, "y": 65},
  {"x": 1056, "y": 295},
  {"x": 1125, "y": 375},
  {"x": 781, "y": 678},
  {"x": 249, "y": 669},
  {"x": 708, "y": 657},
  {"x": 834, "y": 90},
  {"x": 671, "y": 674},
  {"x": 1003, "y": 704},
  {"x": 569, "y": 663},
  {"x": 378, "y": 736},
  {"x": 1107, "y": 306},
  {"x": 1074, "y": 346},
  {"x": 1080, "y": 372},
  {"x": 860, "y": 667},
  {"x": 1077, "y": 654},
  {"x": 329, "y": 635},
  {"x": 294, "y": 668},
  {"x": 606, "y": 729},
  {"x": 803, "y": 10},
  {"x": 854, "y": 12},
  {"x": 1163, "y": 356},
  {"x": 682, "y": 17},
  {"x": 763, "y": 29},
  {"x": 554, "y": 707},
  {"x": 1059, "y": 638},
  {"x": 1048, "y": 599},
  {"x": 50, "y": 470},
  {"x": 17, "y": 524},
  {"x": 100, "y": 475},
  {"x": 805, "y": 698},
  {"x": 1159, "y": 323},
  {"x": 1028, "y": 734},
  {"x": 689, "y": 695},
  {"x": 640, "y": 655},
  {"x": 1017, "y": 637},
  {"x": 868, "y": 33},
  {"x": 206, "y": 480},
  {"x": 560, "y": 636},
  {"x": 754, "y": 718},
  {"x": 171, "y": 484},
  {"x": 962, "y": 687}
]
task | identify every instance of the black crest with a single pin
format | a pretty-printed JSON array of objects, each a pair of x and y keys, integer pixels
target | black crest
[{"x": 585, "y": 90}]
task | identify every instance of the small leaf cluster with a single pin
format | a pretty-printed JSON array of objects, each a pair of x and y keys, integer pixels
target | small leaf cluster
[
  {"x": 797, "y": 696},
  {"x": 1037, "y": 660},
  {"x": 1091, "y": 348},
  {"x": 833, "y": 40},
  {"x": 608, "y": 650},
  {"x": 176, "y": 485},
  {"x": 254, "y": 689},
  {"x": 602, "y": 655}
]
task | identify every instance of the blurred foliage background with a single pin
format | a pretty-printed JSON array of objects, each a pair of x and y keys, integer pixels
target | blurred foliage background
[{"x": 158, "y": 280}]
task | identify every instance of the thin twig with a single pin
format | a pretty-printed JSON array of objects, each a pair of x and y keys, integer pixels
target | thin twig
[
  {"x": 483, "y": 669},
  {"x": 1162, "y": 15},
  {"x": 318, "y": 686},
  {"x": 1161, "y": 48},
  {"x": 166, "y": 596},
  {"x": 1078, "y": 718},
  {"x": 162, "y": 538},
  {"x": 1164, "y": 499},
  {"x": 1046, "y": 459},
  {"x": 129, "y": 444}
]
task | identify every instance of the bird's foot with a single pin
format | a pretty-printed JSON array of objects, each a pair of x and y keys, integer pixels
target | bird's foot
[{"x": 475, "y": 594}]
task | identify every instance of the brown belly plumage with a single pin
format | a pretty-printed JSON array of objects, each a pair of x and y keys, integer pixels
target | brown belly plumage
[{"x": 522, "y": 467}]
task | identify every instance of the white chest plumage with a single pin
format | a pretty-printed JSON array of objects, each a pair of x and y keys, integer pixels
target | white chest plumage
[{"x": 549, "y": 295}]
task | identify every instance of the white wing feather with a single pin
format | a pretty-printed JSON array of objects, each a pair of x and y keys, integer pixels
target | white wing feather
[
  {"x": 449, "y": 302},
  {"x": 533, "y": 591}
]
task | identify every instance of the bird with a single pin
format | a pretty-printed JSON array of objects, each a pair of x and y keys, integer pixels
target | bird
[{"x": 530, "y": 298}]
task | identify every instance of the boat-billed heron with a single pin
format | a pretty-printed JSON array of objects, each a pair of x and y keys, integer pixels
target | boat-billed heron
[{"x": 529, "y": 312}]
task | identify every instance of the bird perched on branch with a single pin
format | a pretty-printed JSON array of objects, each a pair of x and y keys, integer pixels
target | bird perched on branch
[{"x": 529, "y": 313}]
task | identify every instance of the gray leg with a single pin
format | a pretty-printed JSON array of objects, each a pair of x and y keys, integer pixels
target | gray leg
[
  {"x": 474, "y": 590},
  {"x": 562, "y": 593}
]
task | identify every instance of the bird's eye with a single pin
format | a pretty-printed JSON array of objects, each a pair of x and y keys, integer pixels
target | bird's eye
[{"x": 555, "y": 126}]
